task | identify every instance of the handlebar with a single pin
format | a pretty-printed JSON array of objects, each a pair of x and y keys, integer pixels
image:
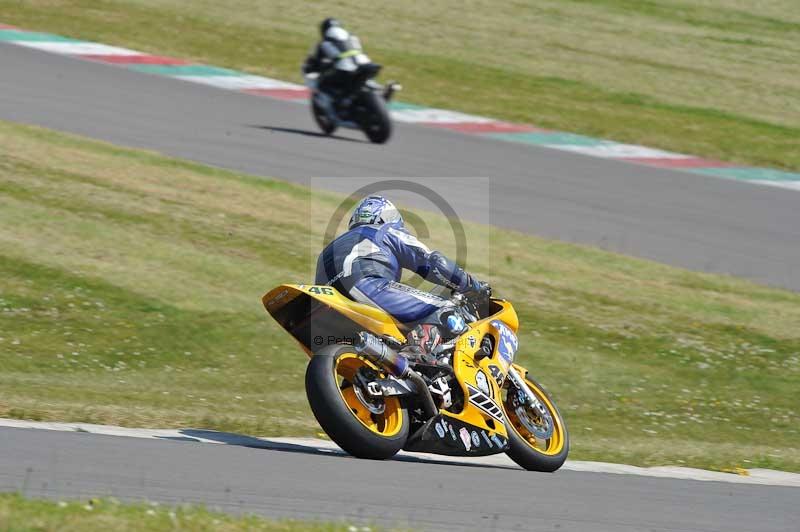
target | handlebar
[{"x": 473, "y": 302}]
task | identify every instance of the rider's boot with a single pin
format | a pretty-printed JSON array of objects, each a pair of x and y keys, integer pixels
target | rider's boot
[{"x": 421, "y": 342}]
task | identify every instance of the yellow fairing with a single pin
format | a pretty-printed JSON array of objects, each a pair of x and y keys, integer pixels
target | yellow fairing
[
  {"x": 317, "y": 316},
  {"x": 493, "y": 369}
]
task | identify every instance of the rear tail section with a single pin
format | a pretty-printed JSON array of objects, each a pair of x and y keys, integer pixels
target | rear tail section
[{"x": 317, "y": 316}]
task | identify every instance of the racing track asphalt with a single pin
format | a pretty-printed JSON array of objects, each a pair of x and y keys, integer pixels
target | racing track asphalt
[
  {"x": 697, "y": 222},
  {"x": 293, "y": 481}
]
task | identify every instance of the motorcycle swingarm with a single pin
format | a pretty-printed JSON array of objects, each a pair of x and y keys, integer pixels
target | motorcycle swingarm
[{"x": 391, "y": 388}]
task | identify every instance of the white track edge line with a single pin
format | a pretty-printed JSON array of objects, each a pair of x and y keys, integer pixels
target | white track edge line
[{"x": 753, "y": 476}]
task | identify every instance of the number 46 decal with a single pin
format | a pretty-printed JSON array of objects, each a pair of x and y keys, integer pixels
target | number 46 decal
[{"x": 324, "y": 290}]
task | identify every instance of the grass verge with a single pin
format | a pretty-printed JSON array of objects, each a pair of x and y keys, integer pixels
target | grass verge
[
  {"x": 130, "y": 286},
  {"x": 714, "y": 78},
  {"x": 100, "y": 515}
]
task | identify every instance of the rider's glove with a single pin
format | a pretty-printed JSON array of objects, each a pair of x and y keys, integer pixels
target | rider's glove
[{"x": 479, "y": 289}]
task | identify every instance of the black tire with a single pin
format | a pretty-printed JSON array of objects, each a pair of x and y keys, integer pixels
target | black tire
[
  {"x": 322, "y": 120},
  {"x": 528, "y": 457},
  {"x": 336, "y": 419},
  {"x": 374, "y": 118}
]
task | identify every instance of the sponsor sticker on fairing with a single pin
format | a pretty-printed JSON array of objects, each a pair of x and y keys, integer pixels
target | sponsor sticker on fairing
[
  {"x": 508, "y": 344},
  {"x": 486, "y": 438},
  {"x": 497, "y": 375},
  {"x": 277, "y": 298},
  {"x": 465, "y": 438},
  {"x": 483, "y": 383},
  {"x": 476, "y": 441},
  {"x": 440, "y": 430}
]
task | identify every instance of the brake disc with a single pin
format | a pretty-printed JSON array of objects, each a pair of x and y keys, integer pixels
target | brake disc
[{"x": 535, "y": 418}]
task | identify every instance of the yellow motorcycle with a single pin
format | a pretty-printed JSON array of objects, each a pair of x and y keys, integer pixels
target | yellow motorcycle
[{"x": 373, "y": 402}]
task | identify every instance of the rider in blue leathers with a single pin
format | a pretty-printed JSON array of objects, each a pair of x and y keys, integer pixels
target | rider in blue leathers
[{"x": 366, "y": 264}]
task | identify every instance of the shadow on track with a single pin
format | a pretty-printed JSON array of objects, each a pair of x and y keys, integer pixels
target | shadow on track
[
  {"x": 241, "y": 440},
  {"x": 305, "y": 132}
]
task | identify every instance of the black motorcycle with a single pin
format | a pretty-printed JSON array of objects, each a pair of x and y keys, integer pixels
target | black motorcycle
[{"x": 356, "y": 100}]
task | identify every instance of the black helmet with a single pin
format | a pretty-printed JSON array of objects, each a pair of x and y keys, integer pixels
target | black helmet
[{"x": 327, "y": 24}]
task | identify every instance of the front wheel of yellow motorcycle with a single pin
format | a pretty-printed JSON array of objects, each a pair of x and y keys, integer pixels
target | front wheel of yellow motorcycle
[
  {"x": 363, "y": 424},
  {"x": 537, "y": 435}
]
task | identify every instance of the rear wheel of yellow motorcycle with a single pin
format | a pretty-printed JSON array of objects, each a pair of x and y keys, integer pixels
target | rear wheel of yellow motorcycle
[
  {"x": 537, "y": 437},
  {"x": 362, "y": 425}
]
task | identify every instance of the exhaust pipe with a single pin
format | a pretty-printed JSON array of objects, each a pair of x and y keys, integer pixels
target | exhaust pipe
[
  {"x": 374, "y": 349},
  {"x": 384, "y": 356}
]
